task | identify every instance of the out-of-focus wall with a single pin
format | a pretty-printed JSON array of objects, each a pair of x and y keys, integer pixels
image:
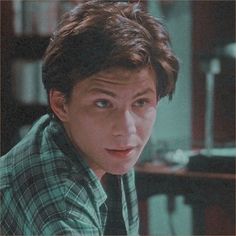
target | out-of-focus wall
[
  {"x": 173, "y": 126},
  {"x": 174, "y": 117}
]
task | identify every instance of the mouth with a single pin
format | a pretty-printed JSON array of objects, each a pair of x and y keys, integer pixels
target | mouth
[{"x": 122, "y": 153}]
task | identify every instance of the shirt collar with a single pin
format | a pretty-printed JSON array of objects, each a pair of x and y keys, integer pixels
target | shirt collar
[{"x": 64, "y": 144}]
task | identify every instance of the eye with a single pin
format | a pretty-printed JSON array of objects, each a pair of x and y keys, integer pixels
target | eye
[
  {"x": 141, "y": 102},
  {"x": 102, "y": 103}
]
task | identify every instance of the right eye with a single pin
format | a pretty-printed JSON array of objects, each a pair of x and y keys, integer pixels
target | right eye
[{"x": 102, "y": 103}]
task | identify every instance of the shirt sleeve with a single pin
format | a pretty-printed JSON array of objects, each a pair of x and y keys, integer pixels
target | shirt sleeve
[
  {"x": 56, "y": 211},
  {"x": 69, "y": 227}
]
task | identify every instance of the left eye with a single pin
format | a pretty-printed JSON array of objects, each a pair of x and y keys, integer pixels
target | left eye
[
  {"x": 141, "y": 103},
  {"x": 102, "y": 103}
]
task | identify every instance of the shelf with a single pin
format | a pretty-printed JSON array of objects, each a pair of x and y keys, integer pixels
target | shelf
[
  {"x": 29, "y": 47},
  {"x": 27, "y": 114}
]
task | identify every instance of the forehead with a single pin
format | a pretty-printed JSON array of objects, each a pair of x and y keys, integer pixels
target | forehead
[{"x": 120, "y": 78}]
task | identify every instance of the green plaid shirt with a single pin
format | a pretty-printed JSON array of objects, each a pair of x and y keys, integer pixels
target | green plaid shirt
[{"x": 46, "y": 188}]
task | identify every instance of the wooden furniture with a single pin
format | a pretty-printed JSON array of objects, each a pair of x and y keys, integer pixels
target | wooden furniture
[
  {"x": 210, "y": 195},
  {"x": 213, "y": 27}
]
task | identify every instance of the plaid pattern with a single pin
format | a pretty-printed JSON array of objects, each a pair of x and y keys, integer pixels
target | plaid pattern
[{"x": 46, "y": 188}]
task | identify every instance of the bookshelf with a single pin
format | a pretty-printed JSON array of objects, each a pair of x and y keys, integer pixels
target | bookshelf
[
  {"x": 14, "y": 113},
  {"x": 23, "y": 43},
  {"x": 29, "y": 47}
]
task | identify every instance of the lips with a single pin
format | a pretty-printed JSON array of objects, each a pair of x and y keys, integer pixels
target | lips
[{"x": 121, "y": 153}]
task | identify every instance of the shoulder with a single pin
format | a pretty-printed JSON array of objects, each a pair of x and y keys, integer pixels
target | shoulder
[
  {"x": 20, "y": 157},
  {"x": 34, "y": 157},
  {"x": 51, "y": 193},
  {"x": 58, "y": 206},
  {"x": 51, "y": 205}
]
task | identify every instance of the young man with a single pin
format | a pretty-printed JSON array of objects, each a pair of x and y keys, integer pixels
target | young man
[{"x": 107, "y": 65}]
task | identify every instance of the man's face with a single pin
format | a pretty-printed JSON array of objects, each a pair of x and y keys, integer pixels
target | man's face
[{"x": 109, "y": 118}]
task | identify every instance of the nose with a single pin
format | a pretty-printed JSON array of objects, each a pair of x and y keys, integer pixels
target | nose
[{"x": 124, "y": 123}]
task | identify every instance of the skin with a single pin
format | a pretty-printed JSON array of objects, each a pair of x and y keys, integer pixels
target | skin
[{"x": 109, "y": 117}]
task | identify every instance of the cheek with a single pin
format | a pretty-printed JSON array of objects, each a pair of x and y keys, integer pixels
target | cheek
[
  {"x": 150, "y": 116},
  {"x": 87, "y": 127},
  {"x": 86, "y": 136},
  {"x": 147, "y": 122}
]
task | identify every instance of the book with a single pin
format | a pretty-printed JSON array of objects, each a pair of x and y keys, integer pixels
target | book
[
  {"x": 42, "y": 94},
  {"x": 39, "y": 17},
  {"x": 18, "y": 16},
  {"x": 27, "y": 82}
]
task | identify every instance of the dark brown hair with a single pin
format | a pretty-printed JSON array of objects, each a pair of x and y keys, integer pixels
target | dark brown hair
[{"x": 97, "y": 35}]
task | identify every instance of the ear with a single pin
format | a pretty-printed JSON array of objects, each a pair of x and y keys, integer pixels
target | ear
[{"x": 58, "y": 104}]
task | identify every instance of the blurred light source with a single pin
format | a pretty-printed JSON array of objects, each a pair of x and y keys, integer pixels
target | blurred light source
[{"x": 227, "y": 51}]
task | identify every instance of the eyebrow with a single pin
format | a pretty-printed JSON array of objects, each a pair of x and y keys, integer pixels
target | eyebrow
[
  {"x": 100, "y": 90},
  {"x": 104, "y": 91},
  {"x": 148, "y": 90}
]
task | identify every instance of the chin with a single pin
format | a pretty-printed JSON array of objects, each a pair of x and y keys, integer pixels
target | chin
[{"x": 121, "y": 170}]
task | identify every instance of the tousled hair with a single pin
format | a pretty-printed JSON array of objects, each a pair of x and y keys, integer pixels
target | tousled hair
[{"x": 97, "y": 35}]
